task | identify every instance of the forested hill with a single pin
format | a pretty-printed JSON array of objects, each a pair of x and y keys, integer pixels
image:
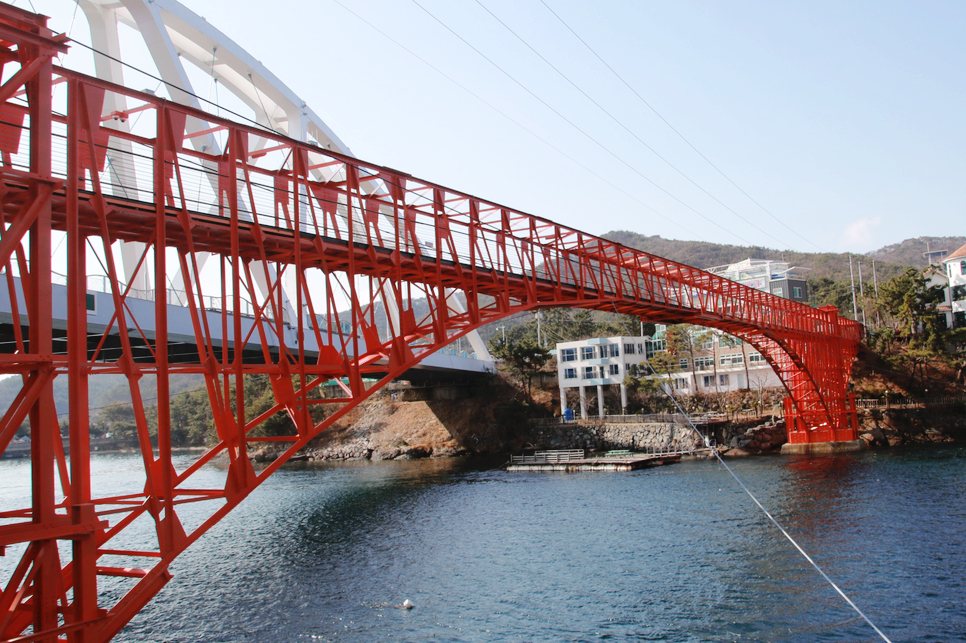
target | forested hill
[
  {"x": 910, "y": 252},
  {"x": 890, "y": 260}
]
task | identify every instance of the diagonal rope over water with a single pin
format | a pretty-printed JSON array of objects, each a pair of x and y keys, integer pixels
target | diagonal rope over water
[{"x": 767, "y": 513}]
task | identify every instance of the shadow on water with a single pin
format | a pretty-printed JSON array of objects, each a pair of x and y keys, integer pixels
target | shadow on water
[{"x": 289, "y": 553}]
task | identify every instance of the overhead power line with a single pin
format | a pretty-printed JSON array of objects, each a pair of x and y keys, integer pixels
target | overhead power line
[
  {"x": 514, "y": 121},
  {"x": 269, "y": 128},
  {"x": 579, "y": 129},
  {"x": 675, "y": 130},
  {"x": 626, "y": 128}
]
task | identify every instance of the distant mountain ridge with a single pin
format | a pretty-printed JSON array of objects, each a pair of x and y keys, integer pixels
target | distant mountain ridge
[{"x": 889, "y": 261}]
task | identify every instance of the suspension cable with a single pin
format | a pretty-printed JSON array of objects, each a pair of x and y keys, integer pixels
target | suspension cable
[{"x": 767, "y": 513}]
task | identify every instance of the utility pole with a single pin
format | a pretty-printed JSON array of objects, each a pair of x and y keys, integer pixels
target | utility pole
[
  {"x": 855, "y": 308},
  {"x": 875, "y": 283},
  {"x": 539, "y": 315},
  {"x": 862, "y": 294}
]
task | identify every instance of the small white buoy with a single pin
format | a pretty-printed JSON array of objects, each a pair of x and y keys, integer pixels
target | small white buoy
[{"x": 408, "y": 604}]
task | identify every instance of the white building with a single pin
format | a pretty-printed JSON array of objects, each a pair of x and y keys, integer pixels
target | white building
[
  {"x": 599, "y": 362},
  {"x": 775, "y": 277},
  {"x": 721, "y": 364},
  {"x": 955, "y": 305}
]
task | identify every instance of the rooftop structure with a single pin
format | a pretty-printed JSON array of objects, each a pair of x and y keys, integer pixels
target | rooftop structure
[
  {"x": 955, "y": 304},
  {"x": 769, "y": 275}
]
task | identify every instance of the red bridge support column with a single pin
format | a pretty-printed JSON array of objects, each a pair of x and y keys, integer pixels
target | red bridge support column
[{"x": 831, "y": 426}]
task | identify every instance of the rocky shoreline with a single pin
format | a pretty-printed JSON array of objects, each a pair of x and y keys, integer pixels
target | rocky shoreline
[
  {"x": 365, "y": 450},
  {"x": 387, "y": 430}
]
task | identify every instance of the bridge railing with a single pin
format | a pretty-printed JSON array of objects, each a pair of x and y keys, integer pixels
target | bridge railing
[
  {"x": 592, "y": 420},
  {"x": 347, "y": 199},
  {"x": 910, "y": 402},
  {"x": 655, "y": 418}
]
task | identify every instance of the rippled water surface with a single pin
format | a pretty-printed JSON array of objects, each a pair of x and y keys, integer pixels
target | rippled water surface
[{"x": 672, "y": 554}]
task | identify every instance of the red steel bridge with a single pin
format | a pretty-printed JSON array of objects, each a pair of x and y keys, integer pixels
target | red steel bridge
[{"x": 347, "y": 240}]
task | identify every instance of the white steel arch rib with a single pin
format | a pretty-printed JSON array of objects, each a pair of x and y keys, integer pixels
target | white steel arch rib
[{"x": 173, "y": 33}]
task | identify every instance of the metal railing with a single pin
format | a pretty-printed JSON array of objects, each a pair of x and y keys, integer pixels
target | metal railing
[
  {"x": 654, "y": 418},
  {"x": 910, "y": 402},
  {"x": 573, "y": 455},
  {"x": 548, "y": 457}
]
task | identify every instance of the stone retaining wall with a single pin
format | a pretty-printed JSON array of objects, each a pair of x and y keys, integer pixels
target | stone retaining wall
[{"x": 614, "y": 436}]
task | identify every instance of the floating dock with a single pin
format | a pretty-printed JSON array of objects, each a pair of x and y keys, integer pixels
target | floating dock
[{"x": 575, "y": 461}]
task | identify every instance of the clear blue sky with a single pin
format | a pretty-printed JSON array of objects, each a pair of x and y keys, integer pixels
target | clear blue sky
[{"x": 843, "y": 119}]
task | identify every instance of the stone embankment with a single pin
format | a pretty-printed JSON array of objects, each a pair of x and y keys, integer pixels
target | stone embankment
[
  {"x": 599, "y": 437},
  {"x": 765, "y": 438}
]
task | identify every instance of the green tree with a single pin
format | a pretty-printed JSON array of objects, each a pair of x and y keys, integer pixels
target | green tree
[
  {"x": 683, "y": 340},
  {"x": 912, "y": 303},
  {"x": 658, "y": 373},
  {"x": 525, "y": 359},
  {"x": 119, "y": 420},
  {"x": 828, "y": 292}
]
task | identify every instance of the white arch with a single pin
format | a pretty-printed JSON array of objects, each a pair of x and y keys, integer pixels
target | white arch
[{"x": 173, "y": 33}]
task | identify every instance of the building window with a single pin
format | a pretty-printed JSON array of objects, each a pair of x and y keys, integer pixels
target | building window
[
  {"x": 701, "y": 363},
  {"x": 628, "y": 349},
  {"x": 962, "y": 267},
  {"x": 680, "y": 383},
  {"x": 797, "y": 292},
  {"x": 570, "y": 373},
  {"x": 615, "y": 369},
  {"x": 586, "y": 352},
  {"x": 727, "y": 341},
  {"x": 959, "y": 292},
  {"x": 613, "y": 350},
  {"x": 708, "y": 345},
  {"x": 91, "y": 303},
  {"x": 729, "y": 360},
  {"x": 603, "y": 371},
  {"x": 778, "y": 291},
  {"x": 708, "y": 381},
  {"x": 756, "y": 358},
  {"x": 959, "y": 319},
  {"x": 683, "y": 364},
  {"x": 568, "y": 354},
  {"x": 588, "y": 373},
  {"x": 640, "y": 349},
  {"x": 723, "y": 380}
]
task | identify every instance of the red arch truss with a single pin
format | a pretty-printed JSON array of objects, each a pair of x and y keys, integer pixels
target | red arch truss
[{"x": 271, "y": 259}]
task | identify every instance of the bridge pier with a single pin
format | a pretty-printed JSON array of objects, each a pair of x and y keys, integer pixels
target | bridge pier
[
  {"x": 824, "y": 448},
  {"x": 810, "y": 433},
  {"x": 600, "y": 400}
]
